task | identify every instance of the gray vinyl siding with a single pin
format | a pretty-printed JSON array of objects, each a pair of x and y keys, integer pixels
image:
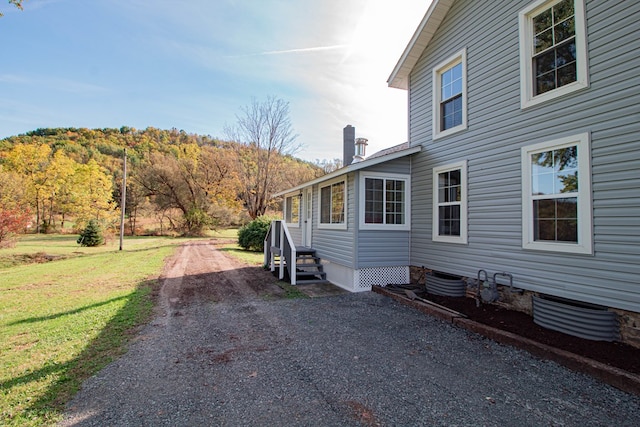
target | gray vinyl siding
[
  {"x": 385, "y": 248},
  {"x": 337, "y": 246},
  {"x": 356, "y": 248},
  {"x": 497, "y": 130}
]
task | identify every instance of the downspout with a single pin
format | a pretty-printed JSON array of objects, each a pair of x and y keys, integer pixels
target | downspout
[
  {"x": 410, "y": 213},
  {"x": 356, "y": 227}
]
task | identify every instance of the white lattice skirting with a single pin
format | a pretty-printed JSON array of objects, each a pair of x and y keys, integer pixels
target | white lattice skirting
[{"x": 365, "y": 278}]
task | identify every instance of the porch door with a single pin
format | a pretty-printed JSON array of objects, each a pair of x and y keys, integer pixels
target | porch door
[{"x": 307, "y": 214}]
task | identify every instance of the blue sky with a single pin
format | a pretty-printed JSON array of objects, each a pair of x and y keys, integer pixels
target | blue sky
[{"x": 192, "y": 64}]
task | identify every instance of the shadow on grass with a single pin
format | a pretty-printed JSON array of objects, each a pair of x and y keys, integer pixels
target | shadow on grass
[
  {"x": 67, "y": 313},
  {"x": 113, "y": 339},
  {"x": 110, "y": 343}
]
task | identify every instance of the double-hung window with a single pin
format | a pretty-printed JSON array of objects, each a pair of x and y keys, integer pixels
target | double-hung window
[
  {"x": 292, "y": 210},
  {"x": 553, "y": 54},
  {"x": 450, "y": 203},
  {"x": 450, "y": 95},
  {"x": 384, "y": 199},
  {"x": 333, "y": 206},
  {"x": 556, "y": 195}
]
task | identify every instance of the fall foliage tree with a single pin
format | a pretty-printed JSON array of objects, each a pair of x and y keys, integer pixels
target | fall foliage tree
[
  {"x": 14, "y": 212},
  {"x": 31, "y": 162},
  {"x": 56, "y": 184},
  {"x": 93, "y": 195},
  {"x": 197, "y": 181}
]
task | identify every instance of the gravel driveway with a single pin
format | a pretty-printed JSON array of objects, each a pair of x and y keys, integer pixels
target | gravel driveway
[{"x": 227, "y": 350}]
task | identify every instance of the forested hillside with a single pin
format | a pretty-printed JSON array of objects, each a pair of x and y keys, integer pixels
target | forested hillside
[{"x": 187, "y": 183}]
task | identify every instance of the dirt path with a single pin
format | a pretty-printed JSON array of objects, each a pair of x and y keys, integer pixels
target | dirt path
[{"x": 201, "y": 272}]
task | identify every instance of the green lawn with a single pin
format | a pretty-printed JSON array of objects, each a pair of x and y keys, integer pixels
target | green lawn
[{"x": 65, "y": 312}]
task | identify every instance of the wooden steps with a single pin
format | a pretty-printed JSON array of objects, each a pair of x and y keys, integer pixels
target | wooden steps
[{"x": 309, "y": 269}]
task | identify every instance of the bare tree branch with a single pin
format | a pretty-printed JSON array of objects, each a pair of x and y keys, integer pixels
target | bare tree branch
[{"x": 264, "y": 133}]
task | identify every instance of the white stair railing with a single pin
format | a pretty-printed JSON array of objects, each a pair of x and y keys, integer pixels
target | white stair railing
[{"x": 279, "y": 242}]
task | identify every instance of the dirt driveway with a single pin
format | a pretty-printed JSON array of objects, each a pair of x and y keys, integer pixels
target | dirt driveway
[{"x": 227, "y": 349}]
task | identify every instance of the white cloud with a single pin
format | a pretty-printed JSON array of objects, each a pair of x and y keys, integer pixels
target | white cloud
[{"x": 293, "y": 51}]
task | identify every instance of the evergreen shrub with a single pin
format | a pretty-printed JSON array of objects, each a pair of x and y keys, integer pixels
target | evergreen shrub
[{"x": 251, "y": 236}]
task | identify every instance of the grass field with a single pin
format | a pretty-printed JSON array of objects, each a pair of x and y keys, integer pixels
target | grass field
[{"x": 65, "y": 312}]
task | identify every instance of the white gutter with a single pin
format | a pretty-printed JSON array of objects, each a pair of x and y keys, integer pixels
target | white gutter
[{"x": 352, "y": 168}]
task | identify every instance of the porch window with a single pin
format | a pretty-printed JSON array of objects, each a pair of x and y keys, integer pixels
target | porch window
[
  {"x": 292, "y": 210},
  {"x": 333, "y": 205},
  {"x": 553, "y": 54},
  {"x": 450, "y": 203},
  {"x": 384, "y": 201},
  {"x": 556, "y": 202}
]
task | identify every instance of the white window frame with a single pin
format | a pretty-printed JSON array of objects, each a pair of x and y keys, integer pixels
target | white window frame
[
  {"x": 527, "y": 98},
  {"x": 585, "y": 231},
  {"x": 407, "y": 202},
  {"x": 288, "y": 214},
  {"x": 335, "y": 226},
  {"x": 462, "y": 238},
  {"x": 438, "y": 70}
]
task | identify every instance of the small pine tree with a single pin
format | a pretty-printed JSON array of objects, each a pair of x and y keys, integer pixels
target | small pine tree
[{"x": 91, "y": 235}]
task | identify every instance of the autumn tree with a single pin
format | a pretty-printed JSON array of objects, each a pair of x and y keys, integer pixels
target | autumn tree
[
  {"x": 14, "y": 211},
  {"x": 93, "y": 192},
  {"x": 196, "y": 181},
  {"x": 31, "y": 162},
  {"x": 264, "y": 133},
  {"x": 59, "y": 189}
]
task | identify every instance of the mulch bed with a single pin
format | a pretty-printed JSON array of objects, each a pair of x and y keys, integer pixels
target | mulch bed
[{"x": 617, "y": 354}]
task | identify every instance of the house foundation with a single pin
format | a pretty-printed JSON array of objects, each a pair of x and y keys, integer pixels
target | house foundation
[{"x": 628, "y": 321}]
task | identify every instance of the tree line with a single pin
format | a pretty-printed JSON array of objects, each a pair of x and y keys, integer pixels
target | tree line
[{"x": 190, "y": 182}]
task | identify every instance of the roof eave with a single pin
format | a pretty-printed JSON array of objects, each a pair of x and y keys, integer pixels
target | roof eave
[
  {"x": 399, "y": 77},
  {"x": 352, "y": 168}
]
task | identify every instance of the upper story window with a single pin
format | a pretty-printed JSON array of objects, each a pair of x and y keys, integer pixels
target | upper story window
[
  {"x": 553, "y": 58},
  {"x": 385, "y": 201},
  {"x": 556, "y": 200},
  {"x": 292, "y": 210},
  {"x": 450, "y": 96},
  {"x": 450, "y": 203},
  {"x": 333, "y": 206}
]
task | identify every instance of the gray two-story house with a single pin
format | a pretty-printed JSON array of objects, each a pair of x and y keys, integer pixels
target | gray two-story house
[{"x": 523, "y": 157}]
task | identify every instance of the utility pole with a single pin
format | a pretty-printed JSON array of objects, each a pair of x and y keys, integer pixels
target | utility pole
[{"x": 123, "y": 200}]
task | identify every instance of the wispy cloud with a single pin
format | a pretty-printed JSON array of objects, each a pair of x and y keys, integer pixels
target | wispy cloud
[
  {"x": 294, "y": 51},
  {"x": 12, "y": 78}
]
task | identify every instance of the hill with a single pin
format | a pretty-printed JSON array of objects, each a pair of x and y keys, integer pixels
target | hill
[{"x": 191, "y": 182}]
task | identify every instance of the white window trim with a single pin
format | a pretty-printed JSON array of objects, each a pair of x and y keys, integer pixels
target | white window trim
[
  {"x": 527, "y": 99},
  {"x": 342, "y": 226},
  {"x": 585, "y": 230},
  {"x": 462, "y": 239},
  {"x": 407, "y": 206},
  {"x": 460, "y": 57},
  {"x": 286, "y": 212}
]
